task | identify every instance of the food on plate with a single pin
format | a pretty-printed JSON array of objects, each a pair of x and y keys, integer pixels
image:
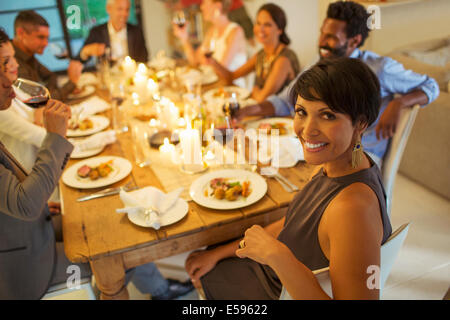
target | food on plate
[
  {"x": 101, "y": 171},
  {"x": 222, "y": 188},
  {"x": 84, "y": 124},
  {"x": 272, "y": 126},
  {"x": 222, "y": 93},
  {"x": 77, "y": 90}
]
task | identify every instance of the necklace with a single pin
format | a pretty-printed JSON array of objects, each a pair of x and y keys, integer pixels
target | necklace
[{"x": 267, "y": 62}]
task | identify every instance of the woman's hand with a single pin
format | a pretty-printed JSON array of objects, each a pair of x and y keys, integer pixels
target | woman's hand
[
  {"x": 180, "y": 33},
  {"x": 200, "y": 263},
  {"x": 260, "y": 246}
]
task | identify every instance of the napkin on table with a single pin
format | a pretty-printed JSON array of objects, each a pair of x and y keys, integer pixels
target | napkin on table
[
  {"x": 90, "y": 107},
  {"x": 96, "y": 141},
  {"x": 146, "y": 198}
]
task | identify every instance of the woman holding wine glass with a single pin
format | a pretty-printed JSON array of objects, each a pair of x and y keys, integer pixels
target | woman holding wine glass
[
  {"x": 275, "y": 65},
  {"x": 224, "y": 40}
]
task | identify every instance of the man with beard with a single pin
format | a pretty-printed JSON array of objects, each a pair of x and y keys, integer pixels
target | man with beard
[{"x": 343, "y": 31}]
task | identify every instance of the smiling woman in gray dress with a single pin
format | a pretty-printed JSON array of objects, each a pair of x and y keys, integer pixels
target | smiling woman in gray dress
[{"x": 338, "y": 220}]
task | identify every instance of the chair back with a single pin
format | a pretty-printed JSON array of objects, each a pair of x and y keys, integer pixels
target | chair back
[
  {"x": 388, "y": 255},
  {"x": 394, "y": 153}
]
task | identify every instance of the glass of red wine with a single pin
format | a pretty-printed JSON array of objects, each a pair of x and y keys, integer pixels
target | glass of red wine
[
  {"x": 209, "y": 48},
  {"x": 33, "y": 94},
  {"x": 179, "y": 19}
]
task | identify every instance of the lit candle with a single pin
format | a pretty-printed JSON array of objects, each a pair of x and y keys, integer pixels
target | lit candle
[
  {"x": 152, "y": 88},
  {"x": 135, "y": 98},
  {"x": 191, "y": 146},
  {"x": 129, "y": 67},
  {"x": 167, "y": 151},
  {"x": 142, "y": 69},
  {"x": 140, "y": 84}
]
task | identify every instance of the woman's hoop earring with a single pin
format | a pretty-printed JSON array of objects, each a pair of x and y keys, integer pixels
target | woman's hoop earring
[{"x": 357, "y": 154}]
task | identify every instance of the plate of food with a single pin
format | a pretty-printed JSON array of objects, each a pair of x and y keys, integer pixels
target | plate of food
[
  {"x": 228, "y": 189},
  {"x": 87, "y": 126},
  {"x": 96, "y": 172},
  {"x": 285, "y": 126},
  {"x": 225, "y": 93},
  {"x": 82, "y": 92},
  {"x": 76, "y": 154},
  {"x": 208, "y": 75}
]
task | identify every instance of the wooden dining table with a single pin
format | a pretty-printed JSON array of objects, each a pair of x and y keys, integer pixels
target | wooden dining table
[{"x": 94, "y": 233}]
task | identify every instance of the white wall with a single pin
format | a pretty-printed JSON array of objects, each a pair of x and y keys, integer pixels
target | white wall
[
  {"x": 156, "y": 23},
  {"x": 410, "y": 23}
]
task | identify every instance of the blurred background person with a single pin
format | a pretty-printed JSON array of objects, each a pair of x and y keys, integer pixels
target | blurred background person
[
  {"x": 122, "y": 38},
  {"x": 224, "y": 40},
  {"x": 31, "y": 33},
  {"x": 275, "y": 65}
]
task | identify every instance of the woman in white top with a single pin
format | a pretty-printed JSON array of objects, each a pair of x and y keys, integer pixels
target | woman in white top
[
  {"x": 17, "y": 129},
  {"x": 229, "y": 44}
]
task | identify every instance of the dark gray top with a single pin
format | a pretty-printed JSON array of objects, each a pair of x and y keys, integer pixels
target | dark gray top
[{"x": 300, "y": 232}]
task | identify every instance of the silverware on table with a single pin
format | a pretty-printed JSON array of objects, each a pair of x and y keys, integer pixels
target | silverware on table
[
  {"x": 285, "y": 180},
  {"x": 107, "y": 192}
]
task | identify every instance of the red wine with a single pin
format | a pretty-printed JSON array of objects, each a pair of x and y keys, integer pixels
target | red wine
[
  {"x": 209, "y": 54},
  {"x": 230, "y": 108},
  {"x": 36, "y": 102},
  {"x": 119, "y": 100},
  {"x": 180, "y": 24}
]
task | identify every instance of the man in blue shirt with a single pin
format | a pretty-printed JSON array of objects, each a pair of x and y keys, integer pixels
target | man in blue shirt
[{"x": 343, "y": 31}]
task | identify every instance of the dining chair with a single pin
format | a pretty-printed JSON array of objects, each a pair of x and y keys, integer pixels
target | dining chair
[
  {"x": 389, "y": 253},
  {"x": 394, "y": 153},
  {"x": 62, "y": 292}
]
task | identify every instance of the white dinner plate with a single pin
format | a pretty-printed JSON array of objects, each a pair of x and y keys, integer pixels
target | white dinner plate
[
  {"x": 99, "y": 123},
  {"x": 208, "y": 75},
  {"x": 241, "y": 93},
  {"x": 87, "y": 91},
  {"x": 86, "y": 153},
  {"x": 289, "y": 124},
  {"x": 175, "y": 213},
  {"x": 121, "y": 168},
  {"x": 197, "y": 190}
]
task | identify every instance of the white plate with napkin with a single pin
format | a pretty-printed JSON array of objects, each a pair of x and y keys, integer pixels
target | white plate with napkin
[
  {"x": 170, "y": 207},
  {"x": 290, "y": 151},
  {"x": 93, "y": 145}
]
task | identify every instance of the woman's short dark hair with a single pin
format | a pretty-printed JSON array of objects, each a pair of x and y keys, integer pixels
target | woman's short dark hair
[
  {"x": 345, "y": 85},
  {"x": 3, "y": 37},
  {"x": 279, "y": 17},
  {"x": 355, "y": 16}
]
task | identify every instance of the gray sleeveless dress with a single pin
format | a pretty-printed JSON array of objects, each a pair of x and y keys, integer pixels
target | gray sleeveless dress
[{"x": 243, "y": 279}]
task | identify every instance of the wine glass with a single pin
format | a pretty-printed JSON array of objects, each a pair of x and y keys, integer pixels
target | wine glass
[
  {"x": 59, "y": 51},
  {"x": 209, "y": 48},
  {"x": 179, "y": 19},
  {"x": 33, "y": 94}
]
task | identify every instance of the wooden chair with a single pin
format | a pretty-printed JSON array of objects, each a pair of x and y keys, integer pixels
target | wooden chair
[
  {"x": 394, "y": 153},
  {"x": 389, "y": 253}
]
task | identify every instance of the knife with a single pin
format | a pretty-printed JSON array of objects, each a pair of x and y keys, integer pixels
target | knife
[{"x": 105, "y": 193}]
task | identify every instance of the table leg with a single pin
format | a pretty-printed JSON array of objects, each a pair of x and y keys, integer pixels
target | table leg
[{"x": 109, "y": 275}]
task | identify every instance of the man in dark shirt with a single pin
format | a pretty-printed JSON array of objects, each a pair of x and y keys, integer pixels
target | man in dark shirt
[
  {"x": 31, "y": 37},
  {"x": 123, "y": 39}
]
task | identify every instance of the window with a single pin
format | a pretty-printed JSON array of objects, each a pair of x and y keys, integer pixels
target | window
[{"x": 57, "y": 13}]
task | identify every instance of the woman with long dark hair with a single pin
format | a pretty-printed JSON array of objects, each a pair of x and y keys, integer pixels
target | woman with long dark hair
[{"x": 275, "y": 65}]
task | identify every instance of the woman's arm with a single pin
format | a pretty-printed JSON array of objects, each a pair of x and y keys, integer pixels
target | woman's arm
[
  {"x": 21, "y": 129},
  {"x": 351, "y": 230},
  {"x": 277, "y": 76},
  {"x": 228, "y": 75},
  {"x": 201, "y": 262}
]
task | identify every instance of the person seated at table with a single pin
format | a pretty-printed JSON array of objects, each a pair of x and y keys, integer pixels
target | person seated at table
[
  {"x": 32, "y": 148},
  {"x": 275, "y": 65},
  {"x": 338, "y": 219},
  {"x": 31, "y": 33},
  {"x": 224, "y": 39},
  {"x": 343, "y": 31},
  {"x": 123, "y": 39}
]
